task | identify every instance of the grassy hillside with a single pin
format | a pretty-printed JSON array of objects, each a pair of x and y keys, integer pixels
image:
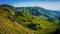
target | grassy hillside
[{"x": 27, "y": 20}]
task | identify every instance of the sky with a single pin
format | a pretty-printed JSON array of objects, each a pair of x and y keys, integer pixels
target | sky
[{"x": 47, "y": 4}]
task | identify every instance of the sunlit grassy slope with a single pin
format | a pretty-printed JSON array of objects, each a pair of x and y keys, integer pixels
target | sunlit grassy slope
[{"x": 27, "y": 20}]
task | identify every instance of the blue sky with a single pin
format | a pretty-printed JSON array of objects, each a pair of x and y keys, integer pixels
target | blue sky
[{"x": 48, "y": 4}]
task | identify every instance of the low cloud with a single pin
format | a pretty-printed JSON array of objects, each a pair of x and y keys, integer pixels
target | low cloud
[{"x": 46, "y": 5}]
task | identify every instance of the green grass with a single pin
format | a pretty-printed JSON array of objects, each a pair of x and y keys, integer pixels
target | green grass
[{"x": 18, "y": 23}]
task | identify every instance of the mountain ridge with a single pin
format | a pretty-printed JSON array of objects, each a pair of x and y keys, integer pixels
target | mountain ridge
[{"x": 36, "y": 19}]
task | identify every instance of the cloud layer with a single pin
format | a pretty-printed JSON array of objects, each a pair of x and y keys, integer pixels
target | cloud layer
[{"x": 46, "y": 5}]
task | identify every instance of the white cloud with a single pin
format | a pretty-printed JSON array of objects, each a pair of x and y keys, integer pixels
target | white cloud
[{"x": 47, "y": 5}]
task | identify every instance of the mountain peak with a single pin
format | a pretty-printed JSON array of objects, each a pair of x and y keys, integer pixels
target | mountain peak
[{"x": 6, "y": 5}]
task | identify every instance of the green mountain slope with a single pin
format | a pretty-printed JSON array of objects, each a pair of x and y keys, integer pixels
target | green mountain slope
[{"x": 26, "y": 20}]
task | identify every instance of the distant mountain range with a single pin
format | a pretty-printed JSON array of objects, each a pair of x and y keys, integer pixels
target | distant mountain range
[{"x": 35, "y": 20}]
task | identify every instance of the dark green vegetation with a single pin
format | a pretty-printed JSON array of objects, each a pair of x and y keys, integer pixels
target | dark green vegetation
[{"x": 28, "y": 20}]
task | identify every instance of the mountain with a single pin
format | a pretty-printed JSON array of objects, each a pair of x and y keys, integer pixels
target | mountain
[{"x": 28, "y": 20}]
